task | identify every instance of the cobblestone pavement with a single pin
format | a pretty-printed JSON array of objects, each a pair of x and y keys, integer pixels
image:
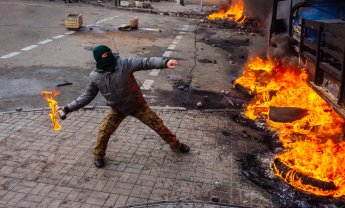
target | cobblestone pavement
[{"x": 40, "y": 167}]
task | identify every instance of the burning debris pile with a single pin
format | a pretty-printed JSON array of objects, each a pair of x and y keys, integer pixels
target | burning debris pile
[
  {"x": 234, "y": 13},
  {"x": 314, "y": 148},
  {"x": 234, "y": 17}
]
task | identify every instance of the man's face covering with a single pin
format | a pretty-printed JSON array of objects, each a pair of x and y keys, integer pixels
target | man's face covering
[{"x": 105, "y": 60}]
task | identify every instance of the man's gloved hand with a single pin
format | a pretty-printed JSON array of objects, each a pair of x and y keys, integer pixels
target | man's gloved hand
[{"x": 63, "y": 111}]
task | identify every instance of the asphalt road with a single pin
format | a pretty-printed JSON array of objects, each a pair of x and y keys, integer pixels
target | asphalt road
[{"x": 37, "y": 53}]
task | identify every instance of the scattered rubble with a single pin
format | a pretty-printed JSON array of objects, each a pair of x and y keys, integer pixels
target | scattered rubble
[{"x": 66, "y": 83}]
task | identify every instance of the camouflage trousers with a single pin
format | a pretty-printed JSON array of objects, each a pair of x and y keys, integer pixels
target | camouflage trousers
[{"x": 145, "y": 114}]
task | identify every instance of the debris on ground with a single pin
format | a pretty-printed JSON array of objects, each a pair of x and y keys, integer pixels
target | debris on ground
[
  {"x": 199, "y": 104},
  {"x": 66, "y": 83},
  {"x": 133, "y": 25}
]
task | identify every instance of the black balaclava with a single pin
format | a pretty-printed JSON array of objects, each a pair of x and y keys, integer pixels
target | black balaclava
[{"x": 106, "y": 64}]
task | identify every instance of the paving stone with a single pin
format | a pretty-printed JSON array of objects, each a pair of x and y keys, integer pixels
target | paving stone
[{"x": 55, "y": 169}]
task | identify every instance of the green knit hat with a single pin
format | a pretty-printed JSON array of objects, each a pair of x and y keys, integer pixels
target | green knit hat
[{"x": 106, "y": 64}]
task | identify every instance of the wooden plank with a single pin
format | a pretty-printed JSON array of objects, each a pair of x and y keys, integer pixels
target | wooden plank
[
  {"x": 309, "y": 56},
  {"x": 337, "y": 30},
  {"x": 333, "y": 41},
  {"x": 312, "y": 24},
  {"x": 330, "y": 99},
  {"x": 310, "y": 44},
  {"x": 337, "y": 55},
  {"x": 335, "y": 73}
]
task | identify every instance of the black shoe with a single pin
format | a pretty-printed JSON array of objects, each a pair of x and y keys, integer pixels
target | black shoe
[
  {"x": 184, "y": 148},
  {"x": 99, "y": 163}
]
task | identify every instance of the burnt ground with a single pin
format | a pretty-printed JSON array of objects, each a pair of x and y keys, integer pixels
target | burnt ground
[{"x": 234, "y": 45}]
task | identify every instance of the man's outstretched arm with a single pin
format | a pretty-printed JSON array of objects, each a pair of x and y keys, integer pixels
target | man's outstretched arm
[
  {"x": 84, "y": 99},
  {"x": 137, "y": 64}
]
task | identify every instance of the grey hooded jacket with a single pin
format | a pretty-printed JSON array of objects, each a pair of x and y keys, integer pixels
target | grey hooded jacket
[{"x": 119, "y": 88}]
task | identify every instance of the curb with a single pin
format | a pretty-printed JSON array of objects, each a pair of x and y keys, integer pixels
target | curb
[
  {"x": 181, "y": 203},
  {"x": 92, "y": 107}
]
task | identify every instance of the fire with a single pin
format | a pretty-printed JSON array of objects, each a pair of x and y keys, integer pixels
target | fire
[
  {"x": 313, "y": 143},
  {"x": 235, "y": 12},
  {"x": 49, "y": 97}
]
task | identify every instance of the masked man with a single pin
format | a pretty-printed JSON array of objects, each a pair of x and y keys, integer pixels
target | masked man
[{"x": 114, "y": 78}]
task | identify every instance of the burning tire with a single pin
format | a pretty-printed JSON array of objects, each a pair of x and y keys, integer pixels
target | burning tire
[{"x": 291, "y": 175}]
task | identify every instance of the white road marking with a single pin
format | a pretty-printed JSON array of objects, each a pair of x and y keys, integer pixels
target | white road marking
[
  {"x": 147, "y": 84},
  {"x": 69, "y": 33},
  {"x": 154, "y": 72},
  {"x": 167, "y": 53},
  {"x": 185, "y": 27},
  {"x": 20, "y": 4},
  {"x": 10, "y": 55},
  {"x": 175, "y": 42},
  {"x": 179, "y": 37},
  {"x": 182, "y": 33},
  {"x": 101, "y": 21},
  {"x": 45, "y": 41},
  {"x": 59, "y": 36},
  {"x": 172, "y": 47},
  {"x": 29, "y": 47},
  {"x": 150, "y": 29}
]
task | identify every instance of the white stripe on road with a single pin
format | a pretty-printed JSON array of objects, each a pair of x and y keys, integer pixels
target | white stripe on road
[
  {"x": 185, "y": 27},
  {"x": 167, "y": 53},
  {"x": 22, "y": 4},
  {"x": 171, "y": 47},
  {"x": 101, "y": 21},
  {"x": 150, "y": 29},
  {"x": 49, "y": 40},
  {"x": 175, "y": 42},
  {"x": 69, "y": 33},
  {"x": 10, "y": 55},
  {"x": 147, "y": 84},
  {"x": 45, "y": 41},
  {"x": 182, "y": 33},
  {"x": 59, "y": 36},
  {"x": 154, "y": 72},
  {"x": 29, "y": 48},
  {"x": 179, "y": 37}
]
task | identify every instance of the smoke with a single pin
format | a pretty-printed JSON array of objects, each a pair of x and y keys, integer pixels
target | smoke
[
  {"x": 259, "y": 8},
  {"x": 279, "y": 47},
  {"x": 280, "y": 51}
]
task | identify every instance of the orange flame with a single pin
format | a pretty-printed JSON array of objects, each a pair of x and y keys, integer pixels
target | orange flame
[
  {"x": 49, "y": 97},
  {"x": 235, "y": 12},
  {"x": 310, "y": 141}
]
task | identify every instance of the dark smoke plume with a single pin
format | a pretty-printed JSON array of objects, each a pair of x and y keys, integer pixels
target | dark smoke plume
[{"x": 258, "y": 8}]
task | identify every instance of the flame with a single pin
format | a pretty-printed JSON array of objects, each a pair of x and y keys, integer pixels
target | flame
[
  {"x": 235, "y": 12},
  {"x": 310, "y": 141},
  {"x": 49, "y": 97}
]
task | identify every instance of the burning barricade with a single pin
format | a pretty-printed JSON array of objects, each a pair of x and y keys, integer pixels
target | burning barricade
[
  {"x": 312, "y": 135},
  {"x": 235, "y": 12},
  {"x": 235, "y": 17}
]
